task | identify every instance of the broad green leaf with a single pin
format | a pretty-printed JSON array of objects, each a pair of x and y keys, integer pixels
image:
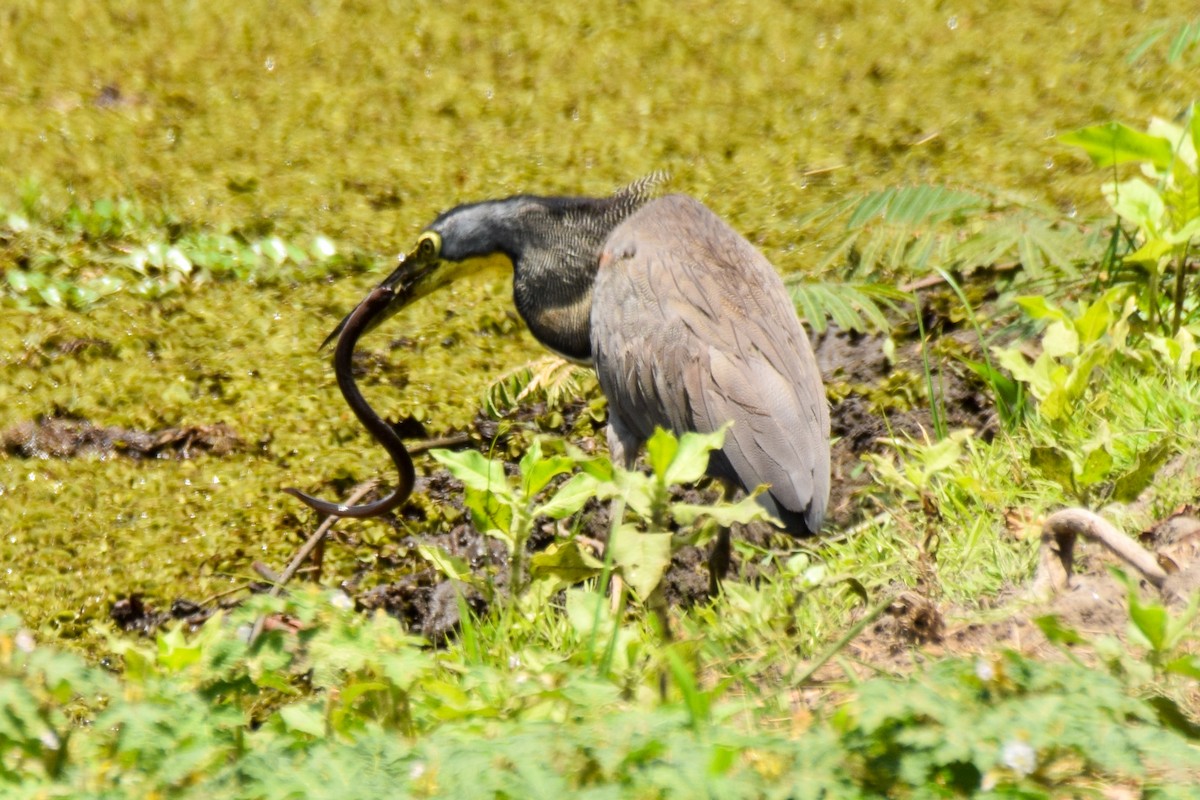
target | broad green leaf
[
  {"x": 475, "y": 470},
  {"x": 542, "y": 472},
  {"x": 1094, "y": 322},
  {"x": 571, "y": 496},
  {"x": 1096, "y": 466},
  {"x": 1013, "y": 360},
  {"x": 1138, "y": 202},
  {"x": 1060, "y": 340},
  {"x": 1055, "y": 404},
  {"x": 1054, "y": 630},
  {"x": 1037, "y": 307},
  {"x": 1188, "y": 665},
  {"x": 638, "y": 490},
  {"x": 660, "y": 450},
  {"x": 305, "y": 718},
  {"x": 724, "y": 514},
  {"x": 944, "y": 454},
  {"x": 1053, "y": 464},
  {"x": 1132, "y": 483},
  {"x": 1081, "y": 371},
  {"x": 452, "y": 567},
  {"x": 566, "y": 561},
  {"x": 355, "y": 690},
  {"x": 691, "y": 456},
  {"x": 175, "y": 652},
  {"x": 642, "y": 557},
  {"x": 1116, "y": 143},
  {"x": 1150, "y": 253},
  {"x": 1149, "y": 620},
  {"x": 533, "y": 454},
  {"x": 585, "y": 609},
  {"x": 491, "y": 514}
]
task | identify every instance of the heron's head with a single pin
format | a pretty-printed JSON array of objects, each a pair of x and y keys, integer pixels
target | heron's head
[
  {"x": 557, "y": 237},
  {"x": 455, "y": 244}
]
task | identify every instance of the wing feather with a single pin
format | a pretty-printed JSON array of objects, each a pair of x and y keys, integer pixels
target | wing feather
[{"x": 692, "y": 328}]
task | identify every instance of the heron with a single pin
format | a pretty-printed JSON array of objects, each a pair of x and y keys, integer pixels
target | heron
[{"x": 688, "y": 326}]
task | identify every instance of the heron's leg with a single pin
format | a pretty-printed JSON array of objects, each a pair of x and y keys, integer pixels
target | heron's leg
[
  {"x": 622, "y": 444},
  {"x": 718, "y": 562}
]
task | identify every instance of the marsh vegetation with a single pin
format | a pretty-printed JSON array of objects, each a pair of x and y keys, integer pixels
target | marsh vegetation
[{"x": 1002, "y": 289}]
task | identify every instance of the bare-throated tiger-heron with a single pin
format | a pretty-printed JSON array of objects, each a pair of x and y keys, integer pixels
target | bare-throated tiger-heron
[{"x": 688, "y": 325}]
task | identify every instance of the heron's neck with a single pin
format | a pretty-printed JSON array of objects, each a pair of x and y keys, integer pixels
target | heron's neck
[{"x": 552, "y": 289}]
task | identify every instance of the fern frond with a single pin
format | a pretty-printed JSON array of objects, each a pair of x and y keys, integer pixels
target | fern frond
[
  {"x": 916, "y": 205},
  {"x": 916, "y": 229},
  {"x": 549, "y": 378},
  {"x": 851, "y": 306}
]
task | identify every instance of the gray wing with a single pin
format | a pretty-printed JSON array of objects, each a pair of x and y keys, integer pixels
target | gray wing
[{"x": 691, "y": 328}]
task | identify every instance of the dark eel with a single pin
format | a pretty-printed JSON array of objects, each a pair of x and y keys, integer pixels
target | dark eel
[{"x": 351, "y": 329}]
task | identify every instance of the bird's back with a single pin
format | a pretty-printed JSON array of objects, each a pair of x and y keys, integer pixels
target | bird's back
[{"x": 691, "y": 328}]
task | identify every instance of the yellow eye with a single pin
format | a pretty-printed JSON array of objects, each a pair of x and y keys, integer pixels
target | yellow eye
[{"x": 429, "y": 245}]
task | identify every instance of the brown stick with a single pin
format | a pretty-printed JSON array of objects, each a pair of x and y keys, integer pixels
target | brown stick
[
  {"x": 1057, "y": 557},
  {"x": 306, "y": 549}
]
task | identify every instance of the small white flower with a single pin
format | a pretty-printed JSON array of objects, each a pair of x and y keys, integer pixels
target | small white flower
[
  {"x": 341, "y": 600},
  {"x": 514, "y": 662},
  {"x": 1019, "y": 757},
  {"x": 418, "y": 769},
  {"x": 50, "y": 740},
  {"x": 984, "y": 670}
]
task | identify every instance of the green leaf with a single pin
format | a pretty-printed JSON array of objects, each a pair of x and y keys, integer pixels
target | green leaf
[
  {"x": 475, "y": 470},
  {"x": 1054, "y": 465},
  {"x": 1013, "y": 360},
  {"x": 746, "y": 510},
  {"x": 533, "y": 454},
  {"x": 566, "y": 561},
  {"x": 1138, "y": 202},
  {"x": 355, "y": 690},
  {"x": 642, "y": 557},
  {"x": 1132, "y": 483},
  {"x": 1188, "y": 665},
  {"x": 1054, "y": 630},
  {"x": 1037, "y": 307},
  {"x": 305, "y": 718},
  {"x": 1060, "y": 340},
  {"x": 660, "y": 450},
  {"x": 691, "y": 456},
  {"x": 1150, "y": 620},
  {"x": 1096, "y": 466},
  {"x": 491, "y": 514},
  {"x": 452, "y": 567},
  {"x": 1095, "y": 321},
  {"x": 1116, "y": 143},
  {"x": 542, "y": 472},
  {"x": 572, "y": 495}
]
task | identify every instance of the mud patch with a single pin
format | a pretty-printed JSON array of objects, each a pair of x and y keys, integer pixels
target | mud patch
[
  {"x": 880, "y": 398},
  {"x": 1094, "y": 605},
  {"x": 57, "y": 437}
]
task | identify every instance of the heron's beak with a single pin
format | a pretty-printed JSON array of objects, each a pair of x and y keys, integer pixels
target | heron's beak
[{"x": 414, "y": 277}]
